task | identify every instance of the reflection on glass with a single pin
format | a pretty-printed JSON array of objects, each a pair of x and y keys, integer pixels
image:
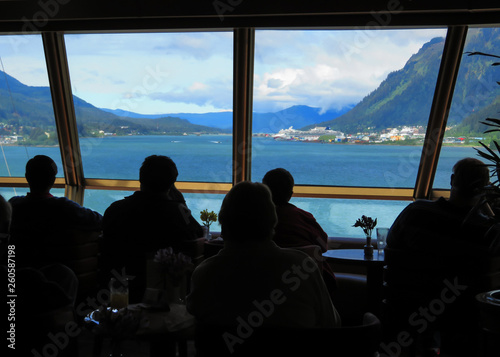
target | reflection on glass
[
  {"x": 336, "y": 216},
  {"x": 475, "y": 98},
  {"x": 343, "y": 111},
  {"x": 100, "y": 200},
  {"x": 27, "y": 124},
  {"x": 157, "y": 93}
]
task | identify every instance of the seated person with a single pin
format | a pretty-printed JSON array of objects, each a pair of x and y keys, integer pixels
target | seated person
[
  {"x": 296, "y": 227},
  {"x": 5, "y": 218},
  {"x": 445, "y": 235},
  {"x": 40, "y": 219},
  {"x": 251, "y": 270},
  {"x": 446, "y": 223},
  {"x": 44, "y": 308},
  {"x": 136, "y": 227}
]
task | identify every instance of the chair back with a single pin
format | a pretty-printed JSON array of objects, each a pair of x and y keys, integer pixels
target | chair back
[
  {"x": 194, "y": 248},
  {"x": 425, "y": 281},
  {"x": 77, "y": 249},
  {"x": 248, "y": 340}
]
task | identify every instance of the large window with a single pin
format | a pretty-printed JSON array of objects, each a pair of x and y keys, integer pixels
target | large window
[
  {"x": 338, "y": 104},
  {"x": 156, "y": 93},
  {"x": 27, "y": 124},
  {"x": 341, "y": 108}
]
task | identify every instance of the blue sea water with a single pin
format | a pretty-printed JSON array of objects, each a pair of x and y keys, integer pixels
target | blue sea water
[{"x": 209, "y": 158}]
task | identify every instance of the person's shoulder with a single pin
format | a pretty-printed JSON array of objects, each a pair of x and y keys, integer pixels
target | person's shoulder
[
  {"x": 16, "y": 199},
  {"x": 292, "y": 210},
  {"x": 128, "y": 200},
  {"x": 63, "y": 201},
  {"x": 425, "y": 202},
  {"x": 293, "y": 255}
]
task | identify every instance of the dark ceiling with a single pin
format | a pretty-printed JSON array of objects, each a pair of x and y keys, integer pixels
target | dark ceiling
[{"x": 126, "y": 15}]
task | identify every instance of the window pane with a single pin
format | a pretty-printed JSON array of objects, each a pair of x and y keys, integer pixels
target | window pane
[
  {"x": 336, "y": 216},
  {"x": 100, "y": 200},
  {"x": 475, "y": 98},
  {"x": 27, "y": 124},
  {"x": 361, "y": 112},
  {"x": 158, "y": 93}
]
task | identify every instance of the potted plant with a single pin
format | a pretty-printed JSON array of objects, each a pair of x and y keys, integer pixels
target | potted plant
[
  {"x": 491, "y": 193},
  {"x": 367, "y": 224},
  {"x": 208, "y": 218}
]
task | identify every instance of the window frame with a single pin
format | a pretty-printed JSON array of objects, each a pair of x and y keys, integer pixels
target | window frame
[{"x": 75, "y": 183}]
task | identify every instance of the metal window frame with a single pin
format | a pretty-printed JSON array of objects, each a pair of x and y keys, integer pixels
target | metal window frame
[{"x": 244, "y": 42}]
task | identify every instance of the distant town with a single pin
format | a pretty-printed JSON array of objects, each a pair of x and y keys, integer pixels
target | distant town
[{"x": 404, "y": 134}]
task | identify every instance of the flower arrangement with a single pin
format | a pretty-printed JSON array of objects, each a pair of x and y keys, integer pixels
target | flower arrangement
[
  {"x": 208, "y": 217},
  {"x": 175, "y": 265},
  {"x": 367, "y": 224}
]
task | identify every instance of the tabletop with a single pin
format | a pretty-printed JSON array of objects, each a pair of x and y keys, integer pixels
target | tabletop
[
  {"x": 354, "y": 256},
  {"x": 148, "y": 321}
]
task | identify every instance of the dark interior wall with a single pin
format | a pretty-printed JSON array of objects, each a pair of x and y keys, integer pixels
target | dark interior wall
[{"x": 105, "y": 15}]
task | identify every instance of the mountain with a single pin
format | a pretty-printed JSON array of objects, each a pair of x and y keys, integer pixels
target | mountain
[
  {"x": 297, "y": 116},
  {"x": 477, "y": 93},
  {"x": 405, "y": 96},
  {"x": 28, "y": 111},
  {"x": 222, "y": 120}
]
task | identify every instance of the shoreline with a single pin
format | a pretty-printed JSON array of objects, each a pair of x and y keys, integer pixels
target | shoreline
[{"x": 257, "y": 135}]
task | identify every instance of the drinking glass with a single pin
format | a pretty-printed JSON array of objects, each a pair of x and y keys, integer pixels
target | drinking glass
[
  {"x": 381, "y": 239},
  {"x": 119, "y": 293}
]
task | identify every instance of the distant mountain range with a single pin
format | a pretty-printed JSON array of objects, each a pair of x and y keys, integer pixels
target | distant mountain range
[
  {"x": 403, "y": 98},
  {"x": 297, "y": 116}
]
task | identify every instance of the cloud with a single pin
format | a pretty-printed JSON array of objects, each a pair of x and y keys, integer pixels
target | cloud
[
  {"x": 192, "y": 71},
  {"x": 328, "y": 69},
  {"x": 213, "y": 94}
]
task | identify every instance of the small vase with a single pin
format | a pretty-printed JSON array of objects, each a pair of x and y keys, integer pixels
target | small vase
[
  {"x": 206, "y": 232},
  {"x": 368, "y": 247}
]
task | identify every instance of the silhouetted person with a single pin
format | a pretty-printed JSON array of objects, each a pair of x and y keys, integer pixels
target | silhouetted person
[
  {"x": 155, "y": 217},
  {"x": 251, "y": 269},
  {"x": 447, "y": 222},
  {"x": 296, "y": 227},
  {"x": 5, "y": 219},
  {"x": 39, "y": 219},
  {"x": 452, "y": 238}
]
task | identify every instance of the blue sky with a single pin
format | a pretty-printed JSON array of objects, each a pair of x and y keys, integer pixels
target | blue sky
[{"x": 192, "y": 72}]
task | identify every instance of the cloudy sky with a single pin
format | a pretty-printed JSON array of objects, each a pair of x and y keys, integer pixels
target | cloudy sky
[{"x": 192, "y": 72}]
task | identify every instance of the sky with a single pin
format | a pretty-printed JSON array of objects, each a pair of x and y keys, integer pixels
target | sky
[{"x": 192, "y": 72}]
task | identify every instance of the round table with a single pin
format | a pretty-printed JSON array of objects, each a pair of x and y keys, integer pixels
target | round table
[
  {"x": 374, "y": 271},
  {"x": 164, "y": 329}
]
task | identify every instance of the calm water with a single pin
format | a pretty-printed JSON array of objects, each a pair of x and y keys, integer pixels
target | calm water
[{"x": 208, "y": 158}]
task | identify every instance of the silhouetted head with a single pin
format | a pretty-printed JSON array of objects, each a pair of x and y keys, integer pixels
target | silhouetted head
[
  {"x": 248, "y": 213},
  {"x": 280, "y": 182},
  {"x": 5, "y": 215},
  {"x": 157, "y": 174},
  {"x": 41, "y": 173},
  {"x": 469, "y": 175}
]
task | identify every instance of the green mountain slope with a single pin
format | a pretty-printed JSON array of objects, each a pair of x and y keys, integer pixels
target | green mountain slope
[
  {"x": 477, "y": 95},
  {"x": 405, "y": 96},
  {"x": 27, "y": 111}
]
